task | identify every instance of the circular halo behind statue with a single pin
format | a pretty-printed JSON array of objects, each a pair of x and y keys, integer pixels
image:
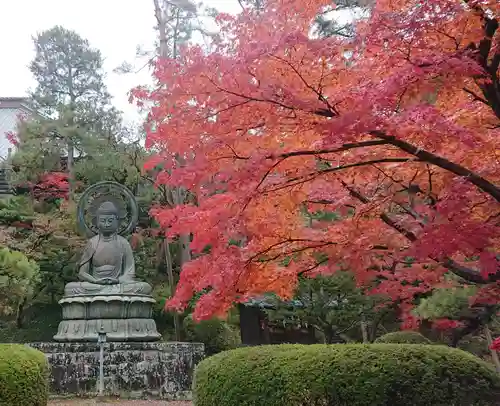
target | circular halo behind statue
[{"x": 107, "y": 191}]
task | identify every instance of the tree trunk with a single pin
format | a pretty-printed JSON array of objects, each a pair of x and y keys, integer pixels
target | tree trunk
[
  {"x": 184, "y": 240},
  {"x": 70, "y": 169},
  {"x": 20, "y": 313},
  {"x": 170, "y": 274},
  {"x": 494, "y": 353},
  {"x": 162, "y": 29},
  {"x": 70, "y": 140},
  {"x": 179, "y": 196},
  {"x": 364, "y": 329},
  {"x": 329, "y": 334}
]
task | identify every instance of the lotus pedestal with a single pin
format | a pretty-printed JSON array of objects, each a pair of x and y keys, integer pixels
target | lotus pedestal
[{"x": 124, "y": 318}]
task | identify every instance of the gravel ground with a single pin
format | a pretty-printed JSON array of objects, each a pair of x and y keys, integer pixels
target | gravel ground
[{"x": 116, "y": 402}]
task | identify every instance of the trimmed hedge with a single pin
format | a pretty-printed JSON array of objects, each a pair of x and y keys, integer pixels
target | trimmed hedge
[
  {"x": 346, "y": 375},
  {"x": 403, "y": 337},
  {"x": 24, "y": 376}
]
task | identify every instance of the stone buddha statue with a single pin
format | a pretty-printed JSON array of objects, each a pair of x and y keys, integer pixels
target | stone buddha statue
[
  {"x": 107, "y": 298},
  {"x": 107, "y": 265}
]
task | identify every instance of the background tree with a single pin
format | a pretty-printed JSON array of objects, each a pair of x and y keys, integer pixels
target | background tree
[
  {"x": 458, "y": 323},
  {"x": 45, "y": 234},
  {"x": 175, "y": 27},
  {"x": 334, "y": 306},
  {"x": 18, "y": 275},
  {"x": 328, "y": 23},
  {"x": 71, "y": 100}
]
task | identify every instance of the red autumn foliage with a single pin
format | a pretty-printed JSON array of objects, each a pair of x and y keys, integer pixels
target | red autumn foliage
[
  {"x": 12, "y": 138},
  {"x": 446, "y": 324},
  {"x": 495, "y": 345},
  {"x": 396, "y": 129},
  {"x": 52, "y": 185}
]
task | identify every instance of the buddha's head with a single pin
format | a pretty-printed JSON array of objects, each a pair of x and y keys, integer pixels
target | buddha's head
[{"x": 107, "y": 219}]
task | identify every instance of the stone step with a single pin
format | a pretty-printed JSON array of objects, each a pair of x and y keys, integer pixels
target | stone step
[{"x": 4, "y": 184}]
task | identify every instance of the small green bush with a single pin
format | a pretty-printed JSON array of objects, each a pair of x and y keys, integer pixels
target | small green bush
[
  {"x": 345, "y": 375},
  {"x": 217, "y": 335},
  {"x": 403, "y": 337},
  {"x": 23, "y": 376}
]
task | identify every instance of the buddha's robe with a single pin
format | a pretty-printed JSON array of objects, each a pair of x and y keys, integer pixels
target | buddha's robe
[{"x": 107, "y": 258}]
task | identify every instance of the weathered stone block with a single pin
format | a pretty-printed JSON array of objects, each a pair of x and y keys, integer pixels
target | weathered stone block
[{"x": 161, "y": 369}]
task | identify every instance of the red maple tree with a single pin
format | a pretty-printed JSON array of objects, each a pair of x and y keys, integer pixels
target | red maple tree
[
  {"x": 51, "y": 185},
  {"x": 395, "y": 131}
]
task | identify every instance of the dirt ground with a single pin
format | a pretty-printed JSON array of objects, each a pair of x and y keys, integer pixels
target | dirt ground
[{"x": 116, "y": 402}]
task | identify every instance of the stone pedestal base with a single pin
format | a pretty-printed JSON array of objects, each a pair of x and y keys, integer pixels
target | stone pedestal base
[
  {"x": 122, "y": 317},
  {"x": 161, "y": 370},
  {"x": 141, "y": 330}
]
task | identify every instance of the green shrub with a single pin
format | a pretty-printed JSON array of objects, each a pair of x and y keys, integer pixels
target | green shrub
[
  {"x": 23, "y": 376},
  {"x": 217, "y": 335},
  {"x": 346, "y": 375},
  {"x": 403, "y": 337}
]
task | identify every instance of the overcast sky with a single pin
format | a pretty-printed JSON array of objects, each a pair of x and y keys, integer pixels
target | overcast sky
[{"x": 115, "y": 27}]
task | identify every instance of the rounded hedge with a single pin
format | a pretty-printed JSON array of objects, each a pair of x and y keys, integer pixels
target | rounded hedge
[
  {"x": 23, "y": 376},
  {"x": 346, "y": 375},
  {"x": 403, "y": 337}
]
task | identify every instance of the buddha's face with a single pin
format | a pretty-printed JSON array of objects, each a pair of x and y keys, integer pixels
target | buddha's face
[{"x": 107, "y": 224}]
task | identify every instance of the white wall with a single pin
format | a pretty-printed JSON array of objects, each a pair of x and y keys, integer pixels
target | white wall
[{"x": 8, "y": 122}]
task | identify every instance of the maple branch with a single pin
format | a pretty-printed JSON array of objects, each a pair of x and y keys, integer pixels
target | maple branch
[
  {"x": 443, "y": 163},
  {"x": 227, "y": 109},
  {"x": 412, "y": 189},
  {"x": 476, "y": 96},
  {"x": 241, "y": 5},
  {"x": 313, "y": 175},
  {"x": 344, "y": 147},
  {"x": 315, "y": 152},
  {"x": 490, "y": 27},
  {"x": 490, "y": 88},
  {"x": 235, "y": 154},
  {"x": 464, "y": 272},
  {"x": 250, "y": 98},
  {"x": 495, "y": 62},
  {"x": 319, "y": 112},
  {"x": 318, "y": 264},
  {"x": 286, "y": 155},
  {"x": 293, "y": 251},
  {"x": 454, "y": 39},
  {"x": 289, "y": 240},
  {"x": 321, "y": 97},
  {"x": 384, "y": 216}
]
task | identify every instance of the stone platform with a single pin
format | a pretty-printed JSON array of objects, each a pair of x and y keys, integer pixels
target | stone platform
[{"x": 160, "y": 370}]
